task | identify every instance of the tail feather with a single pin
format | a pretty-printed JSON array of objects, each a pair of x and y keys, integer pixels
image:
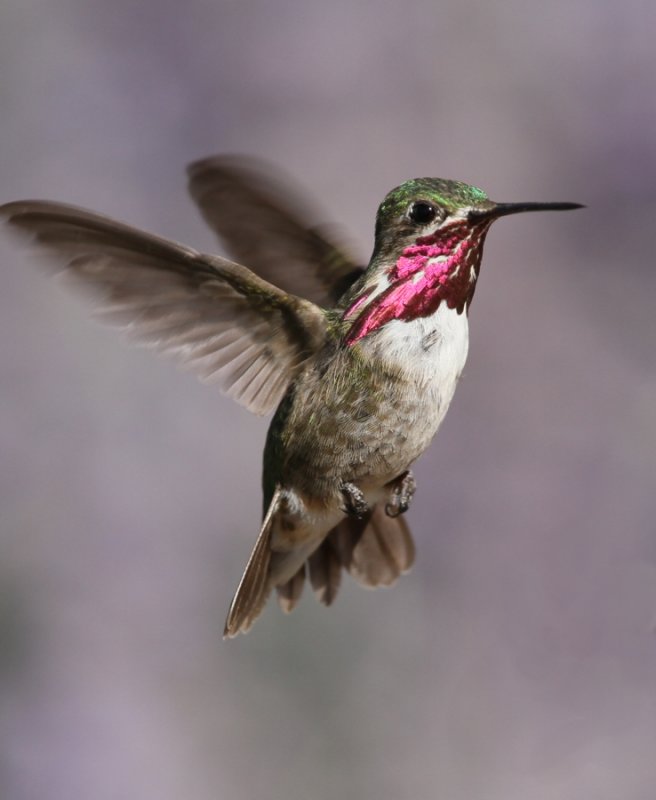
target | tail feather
[
  {"x": 375, "y": 550},
  {"x": 253, "y": 590},
  {"x": 290, "y": 593},
  {"x": 325, "y": 570}
]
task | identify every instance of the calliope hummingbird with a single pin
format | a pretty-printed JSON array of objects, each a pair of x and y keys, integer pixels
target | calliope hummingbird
[{"x": 359, "y": 365}]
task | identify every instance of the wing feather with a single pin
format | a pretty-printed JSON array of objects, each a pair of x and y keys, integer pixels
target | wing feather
[
  {"x": 215, "y": 317},
  {"x": 262, "y": 222}
]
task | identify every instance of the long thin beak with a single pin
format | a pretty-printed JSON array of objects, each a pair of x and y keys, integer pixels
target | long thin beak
[{"x": 503, "y": 209}]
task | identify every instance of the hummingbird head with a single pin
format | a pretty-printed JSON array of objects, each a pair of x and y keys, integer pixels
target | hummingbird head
[{"x": 429, "y": 243}]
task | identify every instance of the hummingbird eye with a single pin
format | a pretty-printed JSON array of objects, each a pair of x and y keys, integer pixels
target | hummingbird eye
[{"x": 422, "y": 212}]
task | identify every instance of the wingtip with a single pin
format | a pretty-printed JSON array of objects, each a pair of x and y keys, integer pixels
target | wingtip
[
  {"x": 221, "y": 161},
  {"x": 200, "y": 164},
  {"x": 15, "y": 208},
  {"x": 16, "y": 214}
]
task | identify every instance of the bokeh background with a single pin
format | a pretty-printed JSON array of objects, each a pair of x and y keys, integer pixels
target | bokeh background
[{"x": 518, "y": 659}]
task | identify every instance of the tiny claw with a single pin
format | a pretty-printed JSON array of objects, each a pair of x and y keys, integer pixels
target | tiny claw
[
  {"x": 354, "y": 503},
  {"x": 402, "y": 491}
]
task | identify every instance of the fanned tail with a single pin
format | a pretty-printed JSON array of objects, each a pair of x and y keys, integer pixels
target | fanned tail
[{"x": 376, "y": 550}]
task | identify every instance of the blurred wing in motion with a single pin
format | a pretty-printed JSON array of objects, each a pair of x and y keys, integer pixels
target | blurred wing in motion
[
  {"x": 216, "y": 317},
  {"x": 262, "y": 223}
]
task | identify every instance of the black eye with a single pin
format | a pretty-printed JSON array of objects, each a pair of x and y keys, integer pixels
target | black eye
[{"x": 422, "y": 212}]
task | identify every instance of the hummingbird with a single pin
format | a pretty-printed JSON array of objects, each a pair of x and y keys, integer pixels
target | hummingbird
[{"x": 359, "y": 364}]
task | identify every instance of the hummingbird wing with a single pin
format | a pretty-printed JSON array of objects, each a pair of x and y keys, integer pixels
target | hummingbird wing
[
  {"x": 217, "y": 318},
  {"x": 263, "y": 223}
]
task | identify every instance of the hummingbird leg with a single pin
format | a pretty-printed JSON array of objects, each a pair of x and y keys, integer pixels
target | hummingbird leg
[
  {"x": 354, "y": 503},
  {"x": 402, "y": 490}
]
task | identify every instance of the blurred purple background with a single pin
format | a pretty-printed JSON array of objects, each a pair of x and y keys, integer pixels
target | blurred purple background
[{"x": 518, "y": 659}]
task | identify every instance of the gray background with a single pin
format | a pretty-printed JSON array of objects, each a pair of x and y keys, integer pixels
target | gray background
[{"x": 518, "y": 659}]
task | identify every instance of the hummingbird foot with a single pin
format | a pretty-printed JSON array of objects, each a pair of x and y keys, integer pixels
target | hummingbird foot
[
  {"x": 403, "y": 489},
  {"x": 354, "y": 503}
]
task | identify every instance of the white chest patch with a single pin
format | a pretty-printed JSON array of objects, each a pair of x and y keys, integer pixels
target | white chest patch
[{"x": 431, "y": 350}]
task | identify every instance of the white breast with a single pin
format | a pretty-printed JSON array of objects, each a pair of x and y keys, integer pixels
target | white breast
[{"x": 432, "y": 350}]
